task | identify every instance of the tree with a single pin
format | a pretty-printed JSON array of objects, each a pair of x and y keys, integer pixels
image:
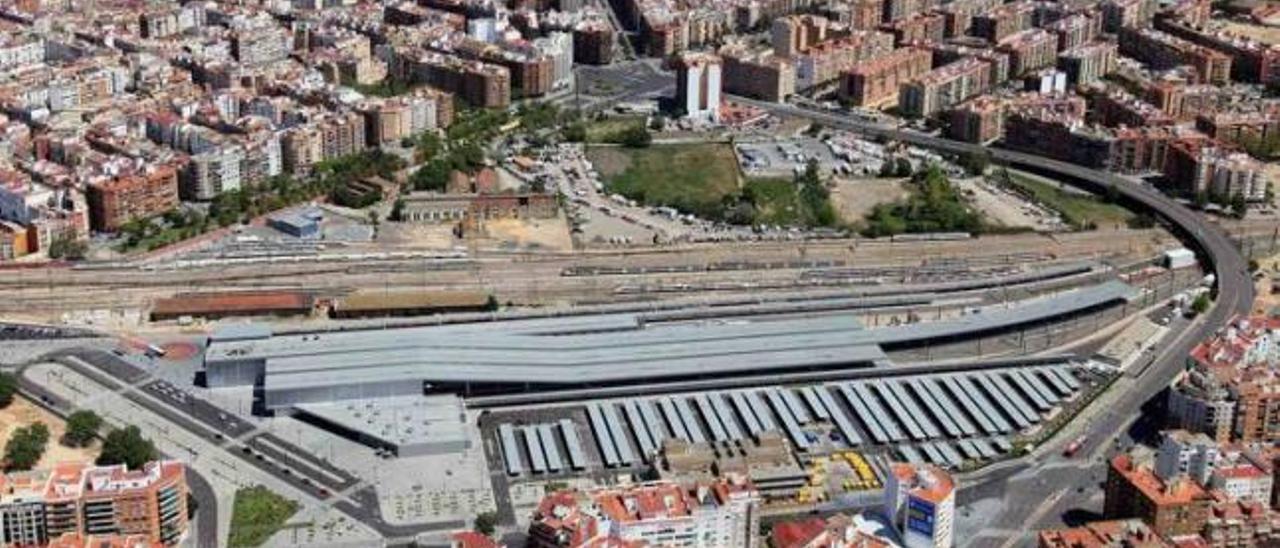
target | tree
[
  {"x": 126, "y": 445},
  {"x": 635, "y": 137},
  {"x": 82, "y": 426},
  {"x": 486, "y": 523},
  {"x": 975, "y": 162},
  {"x": 397, "y": 209},
  {"x": 68, "y": 248},
  {"x": 902, "y": 167},
  {"x": 433, "y": 176},
  {"x": 1238, "y": 206},
  {"x": 1201, "y": 199},
  {"x": 887, "y": 168},
  {"x": 26, "y": 446},
  {"x": 491, "y": 304},
  {"x": 8, "y": 387},
  {"x": 1201, "y": 304},
  {"x": 575, "y": 132}
]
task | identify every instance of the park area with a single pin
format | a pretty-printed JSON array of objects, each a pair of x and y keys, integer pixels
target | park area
[
  {"x": 693, "y": 178},
  {"x": 257, "y": 514}
]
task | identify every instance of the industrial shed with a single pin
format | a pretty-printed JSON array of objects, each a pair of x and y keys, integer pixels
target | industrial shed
[
  {"x": 232, "y": 304},
  {"x": 380, "y": 304}
]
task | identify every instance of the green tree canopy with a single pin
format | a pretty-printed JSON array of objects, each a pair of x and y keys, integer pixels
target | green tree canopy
[
  {"x": 82, "y": 426},
  {"x": 126, "y": 445}
]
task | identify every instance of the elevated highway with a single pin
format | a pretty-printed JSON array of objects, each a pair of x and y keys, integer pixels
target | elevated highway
[
  {"x": 1215, "y": 249},
  {"x": 1235, "y": 288}
]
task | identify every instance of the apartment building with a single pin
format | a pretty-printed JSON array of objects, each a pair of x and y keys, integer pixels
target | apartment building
[
  {"x": 1118, "y": 14},
  {"x": 78, "y": 499},
  {"x": 1029, "y": 50},
  {"x": 1230, "y": 390},
  {"x": 982, "y": 119},
  {"x": 959, "y": 15},
  {"x": 260, "y": 45},
  {"x": 1163, "y": 51},
  {"x": 824, "y": 63},
  {"x": 757, "y": 74},
  {"x": 1131, "y": 533},
  {"x": 944, "y": 87},
  {"x": 723, "y": 512},
  {"x": 390, "y": 120},
  {"x": 208, "y": 174},
  {"x": 998, "y": 24},
  {"x": 1117, "y": 107},
  {"x": 1088, "y": 64},
  {"x": 797, "y": 33},
  {"x": 875, "y": 83},
  {"x": 1236, "y": 126},
  {"x": 698, "y": 86},
  {"x": 1076, "y": 30},
  {"x": 478, "y": 83},
  {"x": 947, "y": 53},
  {"x": 917, "y": 29},
  {"x": 20, "y": 50},
  {"x": 1202, "y": 168},
  {"x": 593, "y": 43},
  {"x": 921, "y": 501},
  {"x": 145, "y": 193},
  {"x": 1172, "y": 508}
]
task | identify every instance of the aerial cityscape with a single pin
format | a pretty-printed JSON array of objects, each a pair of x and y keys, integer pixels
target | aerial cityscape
[{"x": 640, "y": 273}]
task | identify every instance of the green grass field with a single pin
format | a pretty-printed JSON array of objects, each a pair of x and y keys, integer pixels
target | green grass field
[
  {"x": 257, "y": 514},
  {"x": 775, "y": 201},
  {"x": 604, "y": 131},
  {"x": 693, "y": 178},
  {"x": 1076, "y": 209}
]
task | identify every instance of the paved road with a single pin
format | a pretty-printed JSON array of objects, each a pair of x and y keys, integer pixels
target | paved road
[
  {"x": 1235, "y": 288},
  {"x": 1032, "y": 490},
  {"x": 206, "y": 513}
]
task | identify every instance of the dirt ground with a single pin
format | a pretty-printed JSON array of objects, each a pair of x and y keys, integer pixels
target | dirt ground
[
  {"x": 550, "y": 234},
  {"x": 22, "y": 412},
  {"x": 430, "y": 236},
  {"x": 1008, "y": 209},
  {"x": 608, "y": 161},
  {"x": 855, "y": 198},
  {"x": 1267, "y": 299}
]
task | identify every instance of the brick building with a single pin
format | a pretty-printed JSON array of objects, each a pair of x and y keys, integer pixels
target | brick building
[
  {"x": 1163, "y": 51},
  {"x": 876, "y": 82},
  {"x": 146, "y": 193},
  {"x": 1201, "y": 168},
  {"x": 1171, "y": 508},
  {"x": 1087, "y": 64},
  {"x": 1029, "y": 50},
  {"x": 945, "y": 86},
  {"x": 79, "y": 499},
  {"x": 758, "y": 75}
]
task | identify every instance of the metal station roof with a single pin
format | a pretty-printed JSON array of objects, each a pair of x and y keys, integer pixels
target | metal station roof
[
  {"x": 398, "y": 421},
  {"x": 609, "y": 347}
]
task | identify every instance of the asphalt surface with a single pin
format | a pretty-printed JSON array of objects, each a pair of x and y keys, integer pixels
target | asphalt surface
[
  {"x": 1052, "y": 485},
  {"x": 1235, "y": 288},
  {"x": 206, "y": 503}
]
